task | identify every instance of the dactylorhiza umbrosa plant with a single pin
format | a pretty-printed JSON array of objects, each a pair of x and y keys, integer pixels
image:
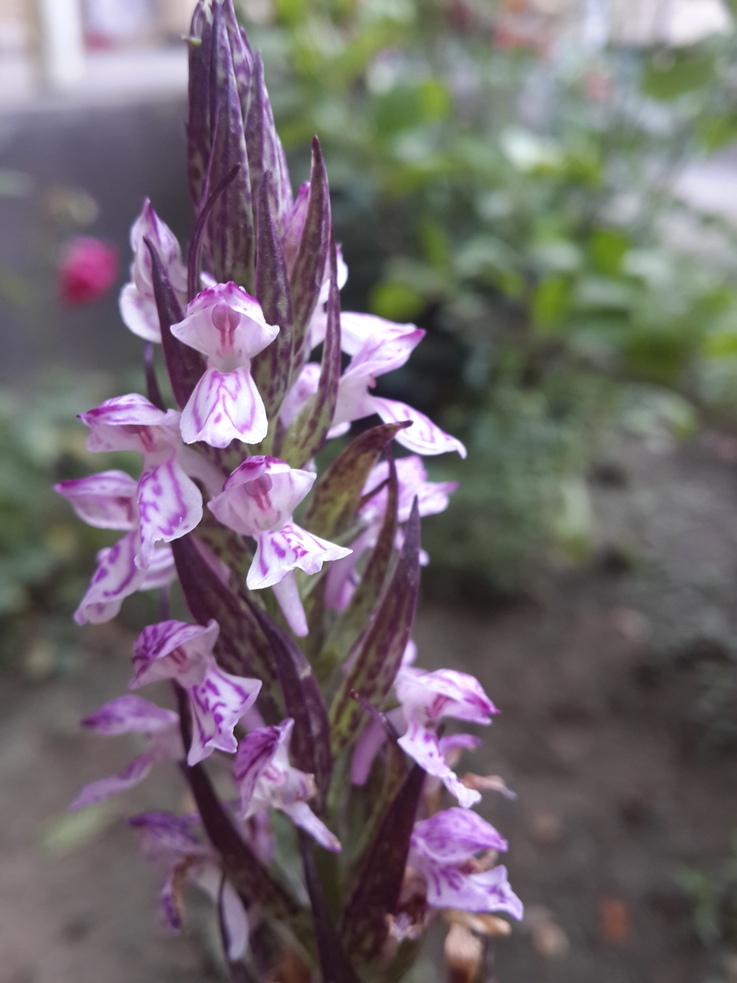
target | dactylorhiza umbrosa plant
[{"x": 313, "y": 748}]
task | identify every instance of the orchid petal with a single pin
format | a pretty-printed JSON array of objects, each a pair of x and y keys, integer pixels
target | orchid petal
[
  {"x": 266, "y": 779},
  {"x": 442, "y": 850},
  {"x": 226, "y": 324},
  {"x": 169, "y": 505},
  {"x": 261, "y": 495},
  {"x": 117, "y": 576},
  {"x": 224, "y": 407},
  {"x": 165, "y": 837},
  {"x": 356, "y": 330},
  {"x": 286, "y": 593},
  {"x": 303, "y": 387},
  {"x": 139, "y": 313},
  {"x": 105, "y": 500},
  {"x": 104, "y": 788},
  {"x": 235, "y": 920},
  {"x": 161, "y": 571},
  {"x": 422, "y": 745},
  {"x": 218, "y": 703},
  {"x": 302, "y": 816},
  {"x": 452, "y": 835},
  {"x": 174, "y": 650},
  {"x": 130, "y": 715},
  {"x": 423, "y": 437},
  {"x": 130, "y": 422},
  {"x": 428, "y": 696},
  {"x": 291, "y": 548}
]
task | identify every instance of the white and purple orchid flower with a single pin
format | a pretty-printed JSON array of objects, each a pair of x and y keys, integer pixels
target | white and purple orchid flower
[
  {"x": 163, "y": 505},
  {"x": 169, "y": 842},
  {"x": 132, "y": 715},
  {"x": 258, "y": 500},
  {"x": 266, "y": 780},
  {"x": 218, "y": 700},
  {"x": 137, "y": 302},
  {"x": 377, "y": 346},
  {"x": 432, "y": 497},
  {"x": 428, "y": 697},
  {"x": 443, "y": 852},
  {"x": 227, "y": 325}
]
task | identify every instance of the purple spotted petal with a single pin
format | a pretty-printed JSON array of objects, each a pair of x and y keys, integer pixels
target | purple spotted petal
[
  {"x": 432, "y": 496},
  {"x": 265, "y": 779},
  {"x": 105, "y": 500},
  {"x": 174, "y": 650},
  {"x": 130, "y": 715},
  {"x": 453, "y": 835},
  {"x": 302, "y": 816},
  {"x": 488, "y": 891},
  {"x": 256, "y": 752},
  {"x": 218, "y": 703},
  {"x": 169, "y": 506},
  {"x": 226, "y": 324},
  {"x": 291, "y": 548},
  {"x": 421, "y": 744},
  {"x": 442, "y": 850},
  {"x": 117, "y": 576},
  {"x": 224, "y": 407},
  {"x": 137, "y": 302},
  {"x": 104, "y": 788},
  {"x": 129, "y": 422},
  {"x": 161, "y": 571},
  {"x": 304, "y": 386},
  {"x": 423, "y": 437},
  {"x": 149, "y": 226},
  {"x": 428, "y": 696},
  {"x": 261, "y": 495},
  {"x": 165, "y": 837}
]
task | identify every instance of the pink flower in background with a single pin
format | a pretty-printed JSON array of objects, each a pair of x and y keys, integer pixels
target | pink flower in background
[{"x": 87, "y": 269}]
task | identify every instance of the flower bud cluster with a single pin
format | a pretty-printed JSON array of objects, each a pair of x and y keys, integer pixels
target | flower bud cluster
[{"x": 289, "y": 661}]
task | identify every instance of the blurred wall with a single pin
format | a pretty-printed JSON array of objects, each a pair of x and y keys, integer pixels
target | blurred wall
[{"x": 118, "y": 154}]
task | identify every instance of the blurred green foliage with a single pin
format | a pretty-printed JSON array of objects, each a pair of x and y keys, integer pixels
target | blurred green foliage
[
  {"x": 517, "y": 198},
  {"x": 712, "y": 895},
  {"x": 47, "y": 552}
]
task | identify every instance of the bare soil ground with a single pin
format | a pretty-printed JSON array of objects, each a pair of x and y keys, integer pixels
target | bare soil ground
[{"x": 615, "y": 734}]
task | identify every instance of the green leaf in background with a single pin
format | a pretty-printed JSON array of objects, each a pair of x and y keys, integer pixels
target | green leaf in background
[
  {"x": 608, "y": 248},
  {"x": 671, "y": 73},
  {"x": 396, "y": 301},
  {"x": 551, "y": 302}
]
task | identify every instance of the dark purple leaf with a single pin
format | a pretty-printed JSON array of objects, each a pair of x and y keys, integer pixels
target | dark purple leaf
[
  {"x": 231, "y": 233},
  {"x": 308, "y": 432},
  {"x": 241, "y": 648},
  {"x": 379, "y": 652},
  {"x": 199, "y": 143},
  {"x": 303, "y": 700},
  {"x": 333, "y": 961},
  {"x": 337, "y": 492},
  {"x": 378, "y": 882},
  {"x": 198, "y": 235},
  {"x": 271, "y": 367},
  {"x": 184, "y": 365},
  {"x": 308, "y": 274},
  {"x": 352, "y": 621},
  {"x": 253, "y": 882},
  {"x": 265, "y": 152}
]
